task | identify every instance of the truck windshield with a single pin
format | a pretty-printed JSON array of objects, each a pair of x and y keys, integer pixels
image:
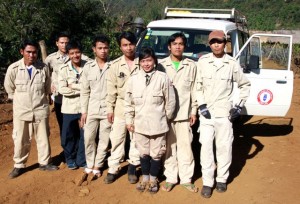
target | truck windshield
[{"x": 157, "y": 38}]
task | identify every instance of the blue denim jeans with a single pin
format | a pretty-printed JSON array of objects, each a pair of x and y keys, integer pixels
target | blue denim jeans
[{"x": 72, "y": 140}]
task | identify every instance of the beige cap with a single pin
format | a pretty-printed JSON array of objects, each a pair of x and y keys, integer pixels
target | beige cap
[{"x": 217, "y": 34}]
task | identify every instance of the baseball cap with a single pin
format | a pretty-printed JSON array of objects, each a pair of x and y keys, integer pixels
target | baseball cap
[{"x": 217, "y": 34}]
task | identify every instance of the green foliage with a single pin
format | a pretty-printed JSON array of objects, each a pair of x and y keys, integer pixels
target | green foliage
[{"x": 83, "y": 19}]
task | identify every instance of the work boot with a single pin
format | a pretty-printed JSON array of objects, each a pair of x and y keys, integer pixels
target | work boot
[
  {"x": 221, "y": 187},
  {"x": 206, "y": 192},
  {"x": 16, "y": 172},
  {"x": 110, "y": 178},
  {"x": 48, "y": 167},
  {"x": 132, "y": 178}
]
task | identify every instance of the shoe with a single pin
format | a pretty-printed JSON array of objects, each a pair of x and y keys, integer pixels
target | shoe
[
  {"x": 206, "y": 192},
  {"x": 141, "y": 186},
  {"x": 16, "y": 172},
  {"x": 48, "y": 167},
  {"x": 132, "y": 178},
  {"x": 110, "y": 178},
  {"x": 72, "y": 166},
  {"x": 221, "y": 187},
  {"x": 153, "y": 187}
]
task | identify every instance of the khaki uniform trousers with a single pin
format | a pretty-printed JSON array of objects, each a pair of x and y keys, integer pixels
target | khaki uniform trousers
[
  {"x": 154, "y": 146},
  {"x": 220, "y": 130},
  {"x": 22, "y": 136},
  {"x": 117, "y": 138},
  {"x": 179, "y": 154},
  {"x": 95, "y": 153}
]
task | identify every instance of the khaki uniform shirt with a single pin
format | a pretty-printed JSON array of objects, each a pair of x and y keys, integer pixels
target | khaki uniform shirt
[
  {"x": 29, "y": 94},
  {"x": 117, "y": 77},
  {"x": 54, "y": 62},
  {"x": 149, "y": 107},
  {"x": 215, "y": 84},
  {"x": 71, "y": 96},
  {"x": 93, "y": 90},
  {"x": 183, "y": 80}
]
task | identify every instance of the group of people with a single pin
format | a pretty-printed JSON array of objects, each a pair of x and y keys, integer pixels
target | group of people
[{"x": 154, "y": 103}]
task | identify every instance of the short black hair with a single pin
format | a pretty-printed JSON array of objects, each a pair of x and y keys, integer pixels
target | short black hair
[
  {"x": 147, "y": 52},
  {"x": 128, "y": 35},
  {"x": 62, "y": 34},
  {"x": 173, "y": 37},
  {"x": 31, "y": 42},
  {"x": 73, "y": 44},
  {"x": 101, "y": 38}
]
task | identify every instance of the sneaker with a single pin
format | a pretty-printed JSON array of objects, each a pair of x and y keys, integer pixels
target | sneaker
[
  {"x": 221, "y": 187},
  {"x": 206, "y": 192},
  {"x": 153, "y": 187},
  {"x": 48, "y": 167},
  {"x": 110, "y": 178},
  {"x": 16, "y": 172},
  {"x": 72, "y": 166},
  {"x": 141, "y": 186}
]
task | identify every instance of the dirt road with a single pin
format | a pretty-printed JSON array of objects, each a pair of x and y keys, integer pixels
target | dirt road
[{"x": 266, "y": 155}]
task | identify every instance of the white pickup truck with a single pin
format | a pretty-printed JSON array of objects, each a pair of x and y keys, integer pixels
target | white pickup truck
[{"x": 265, "y": 58}]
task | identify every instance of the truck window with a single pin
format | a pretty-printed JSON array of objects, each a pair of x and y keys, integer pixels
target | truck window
[
  {"x": 273, "y": 52},
  {"x": 157, "y": 38}
]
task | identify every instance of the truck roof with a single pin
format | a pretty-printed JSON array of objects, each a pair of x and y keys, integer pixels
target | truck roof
[{"x": 194, "y": 23}]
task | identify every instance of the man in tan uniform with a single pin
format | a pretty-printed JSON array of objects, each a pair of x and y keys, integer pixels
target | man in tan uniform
[
  {"x": 117, "y": 77},
  {"x": 179, "y": 156},
  {"x": 54, "y": 62},
  {"x": 216, "y": 74},
  {"x": 72, "y": 138},
  {"x": 27, "y": 83},
  {"x": 93, "y": 107},
  {"x": 149, "y": 104}
]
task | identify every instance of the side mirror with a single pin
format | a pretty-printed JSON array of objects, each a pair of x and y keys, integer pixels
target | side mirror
[{"x": 253, "y": 64}]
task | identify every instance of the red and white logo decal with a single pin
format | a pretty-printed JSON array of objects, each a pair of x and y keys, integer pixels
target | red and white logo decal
[{"x": 265, "y": 97}]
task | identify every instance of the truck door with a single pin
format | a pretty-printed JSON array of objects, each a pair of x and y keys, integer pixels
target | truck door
[{"x": 266, "y": 61}]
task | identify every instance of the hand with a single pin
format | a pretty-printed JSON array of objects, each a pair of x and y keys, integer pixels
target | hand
[
  {"x": 193, "y": 119},
  {"x": 83, "y": 120},
  {"x": 234, "y": 113},
  {"x": 130, "y": 127},
  {"x": 204, "y": 111},
  {"x": 53, "y": 89},
  {"x": 110, "y": 117}
]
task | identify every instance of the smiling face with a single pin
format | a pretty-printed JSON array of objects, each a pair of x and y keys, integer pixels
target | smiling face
[
  {"x": 75, "y": 56},
  {"x": 29, "y": 54},
  {"x": 147, "y": 64}
]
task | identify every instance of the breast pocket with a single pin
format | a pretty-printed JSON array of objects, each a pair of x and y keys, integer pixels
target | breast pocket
[
  {"x": 21, "y": 85},
  {"x": 187, "y": 85},
  {"x": 39, "y": 84},
  {"x": 92, "y": 80},
  {"x": 158, "y": 97},
  {"x": 226, "y": 79},
  {"x": 137, "y": 98}
]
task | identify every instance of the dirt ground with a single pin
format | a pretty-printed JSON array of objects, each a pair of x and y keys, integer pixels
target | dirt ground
[{"x": 264, "y": 170}]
